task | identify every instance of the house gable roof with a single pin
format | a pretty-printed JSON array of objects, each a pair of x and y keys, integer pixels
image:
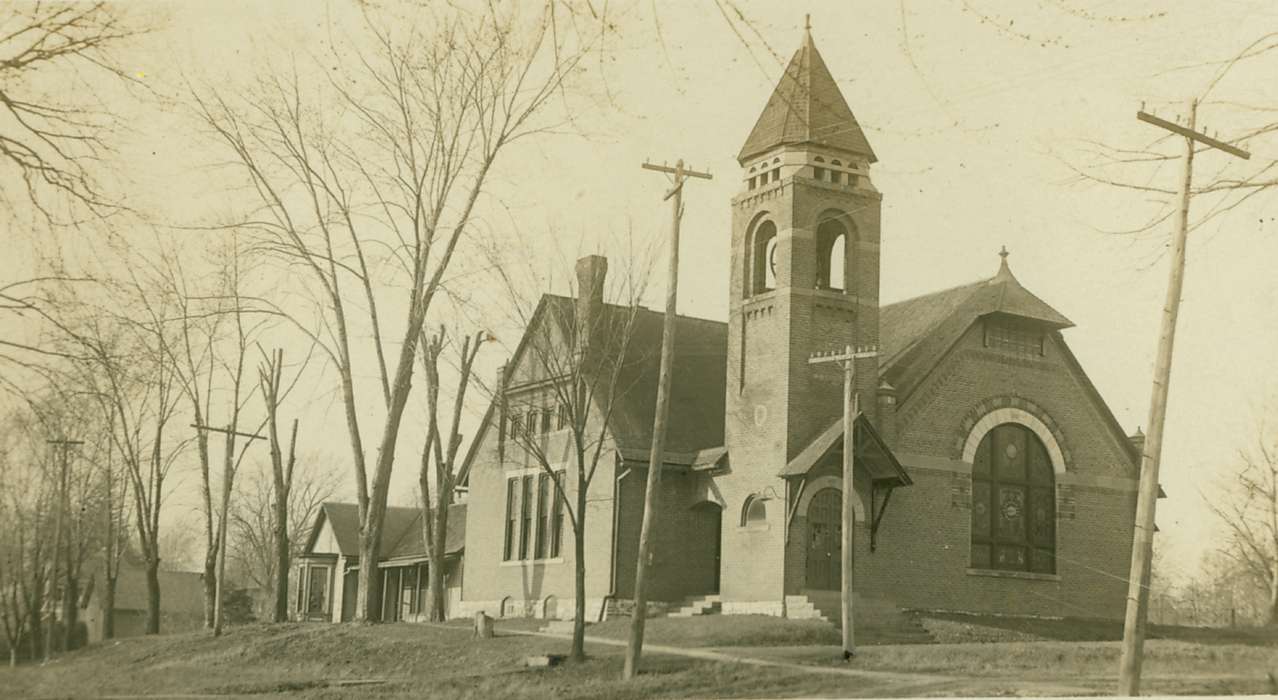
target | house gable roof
[
  {"x": 698, "y": 381},
  {"x": 401, "y": 530}
]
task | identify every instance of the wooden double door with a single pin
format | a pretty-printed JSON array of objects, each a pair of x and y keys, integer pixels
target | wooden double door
[{"x": 825, "y": 537}]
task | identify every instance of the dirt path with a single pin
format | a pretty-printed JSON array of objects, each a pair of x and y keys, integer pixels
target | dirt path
[{"x": 896, "y": 683}]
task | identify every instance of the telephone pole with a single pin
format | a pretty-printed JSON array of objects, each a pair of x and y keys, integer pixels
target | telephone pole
[
  {"x": 1147, "y": 497},
  {"x": 847, "y": 544},
  {"x": 656, "y": 454},
  {"x": 57, "y": 547},
  {"x": 224, "y": 526}
]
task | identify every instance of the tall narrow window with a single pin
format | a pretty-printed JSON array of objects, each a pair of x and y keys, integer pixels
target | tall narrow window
[
  {"x": 530, "y": 422},
  {"x": 543, "y": 516},
  {"x": 831, "y": 255},
  {"x": 508, "y": 551},
  {"x": 563, "y": 416},
  {"x": 525, "y": 511},
  {"x": 1013, "y": 502},
  {"x": 545, "y": 420},
  {"x": 557, "y": 523},
  {"x": 763, "y": 268},
  {"x": 776, "y": 174}
]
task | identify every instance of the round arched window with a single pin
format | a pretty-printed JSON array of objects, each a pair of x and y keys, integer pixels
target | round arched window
[
  {"x": 755, "y": 512},
  {"x": 1013, "y": 502}
]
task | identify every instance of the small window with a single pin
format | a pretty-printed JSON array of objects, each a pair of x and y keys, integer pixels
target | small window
[
  {"x": 755, "y": 512},
  {"x": 530, "y": 422},
  {"x": 543, "y": 516},
  {"x": 836, "y": 177},
  {"x": 818, "y": 173},
  {"x": 819, "y": 159},
  {"x": 545, "y": 420},
  {"x": 752, "y": 182},
  {"x": 557, "y": 517},
  {"x": 1014, "y": 338},
  {"x": 563, "y": 417},
  {"x": 508, "y": 551},
  {"x": 776, "y": 174},
  {"x": 526, "y": 515}
]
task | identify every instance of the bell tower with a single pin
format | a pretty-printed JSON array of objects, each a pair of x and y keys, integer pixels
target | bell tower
[{"x": 805, "y": 268}]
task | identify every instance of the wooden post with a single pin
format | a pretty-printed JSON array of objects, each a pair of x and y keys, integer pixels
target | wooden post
[
  {"x": 847, "y": 545},
  {"x": 1147, "y": 497},
  {"x": 656, "y": 454}
]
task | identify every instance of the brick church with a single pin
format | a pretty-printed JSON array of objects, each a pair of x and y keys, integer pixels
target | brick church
[{"x": 990, "y": 475}]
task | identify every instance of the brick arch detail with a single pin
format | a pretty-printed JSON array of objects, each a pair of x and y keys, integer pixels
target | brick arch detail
[
  {"x": 824, "y": 482},
  {"x": 1011, "y": 409}
]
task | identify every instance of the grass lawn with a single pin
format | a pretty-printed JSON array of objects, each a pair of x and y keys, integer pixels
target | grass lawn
[
  {"x": 413, "y": 660},
  {"x": 723, "y": 631}
]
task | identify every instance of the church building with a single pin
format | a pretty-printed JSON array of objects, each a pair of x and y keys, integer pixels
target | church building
[{"x": 989, "y": 477}]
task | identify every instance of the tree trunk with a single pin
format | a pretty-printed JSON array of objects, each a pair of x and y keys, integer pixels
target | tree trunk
[
  {"x": 579, "y": 594},
  {"x": 152, "y": 594},
  {"x": 108, "y": 609},
  {"x": 36, "y": 613},
  {"x": 70, "y": 611},
  {"x": 367, "y": 595},
  {"x": 210, "y": 585},
  {"x": 13, "y": 657},
  {"x": 1273, "y": 597},
  {"x": 282, "y": 558},
  {"x": 438, "y": 593}
]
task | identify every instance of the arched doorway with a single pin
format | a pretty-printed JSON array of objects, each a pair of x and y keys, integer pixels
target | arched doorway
[
  {"x": 707, "y": 524},
  {"x": 825, "y": 537}
]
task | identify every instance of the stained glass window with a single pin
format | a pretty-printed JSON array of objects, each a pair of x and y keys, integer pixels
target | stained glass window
[{"x": 1013, "y": 502}]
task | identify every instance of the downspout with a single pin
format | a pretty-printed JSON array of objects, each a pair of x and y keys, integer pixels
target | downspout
[{"x": 616, "y": 519}]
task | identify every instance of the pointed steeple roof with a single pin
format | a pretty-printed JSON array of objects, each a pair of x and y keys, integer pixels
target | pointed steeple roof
[{"x": 807, "y": 107}]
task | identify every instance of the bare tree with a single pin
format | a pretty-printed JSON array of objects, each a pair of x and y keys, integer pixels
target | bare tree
[
  {"x": 54, "y": 134},
  {"x": 573, "y": 370},
  {"x": 270, "y": 374},
  {"x": 439, "y": 458},
  {"x": 1248, "y": 507},
  {"x": 375, "y": 203},
  {"x": 255, "y": 541}
]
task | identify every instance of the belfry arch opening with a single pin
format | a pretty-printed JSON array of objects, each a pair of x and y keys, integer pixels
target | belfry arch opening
[
  {"x": 763, "y": 258},
  {"x": 831, "y": 250}
]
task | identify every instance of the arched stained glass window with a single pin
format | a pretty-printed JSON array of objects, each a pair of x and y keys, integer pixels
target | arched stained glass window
[{"x": 1013, "y": 502}]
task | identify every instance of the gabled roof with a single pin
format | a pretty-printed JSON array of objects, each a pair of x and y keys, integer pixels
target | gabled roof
[
  {"x": 698, "y": 382},
  {"x": 807, "y": 107},
  {"x": 872, "y": 454},
  {"x": 915, "y": 333},
  {"x": 401, "y": 530}
]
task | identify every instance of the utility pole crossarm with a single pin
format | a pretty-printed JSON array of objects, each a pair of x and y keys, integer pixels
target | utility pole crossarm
[
  {"x": 680, "y": 174},
  {"x": 250, "y": 436},
  {"x": 1192, "y": 135}
]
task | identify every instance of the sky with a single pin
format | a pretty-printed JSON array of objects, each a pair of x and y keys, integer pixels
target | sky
[{"x": 981, "y": 114}]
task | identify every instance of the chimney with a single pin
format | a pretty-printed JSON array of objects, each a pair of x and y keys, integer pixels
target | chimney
[
  {"x": 886, "y": 423},
  {"x": 592, "y": 270}
]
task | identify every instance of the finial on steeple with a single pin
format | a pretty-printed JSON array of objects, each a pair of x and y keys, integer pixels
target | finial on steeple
[
  {"x": 1004, "y": 272},
  {"x": 807, "y": 23}
]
